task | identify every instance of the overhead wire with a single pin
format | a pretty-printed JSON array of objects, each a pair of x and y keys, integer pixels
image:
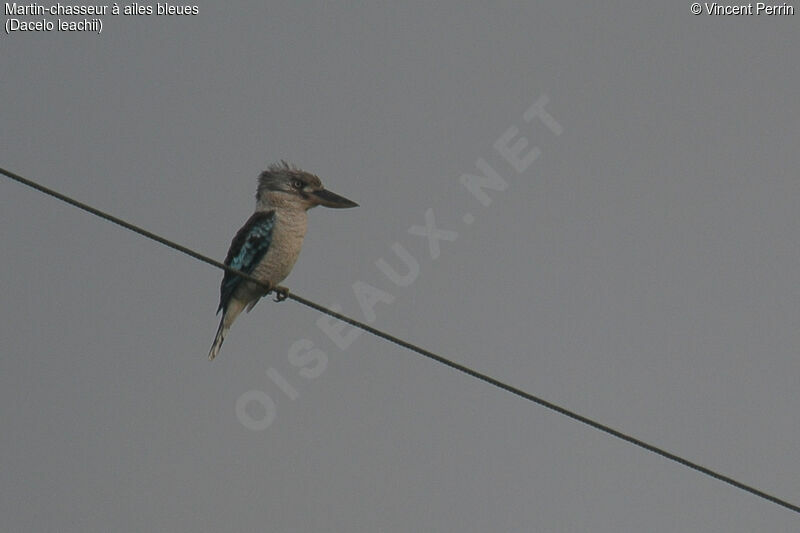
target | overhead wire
[{"x": 414, "y": 348}]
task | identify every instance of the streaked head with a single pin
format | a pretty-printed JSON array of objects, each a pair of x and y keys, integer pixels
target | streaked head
[{"x": 284, "y": 184}]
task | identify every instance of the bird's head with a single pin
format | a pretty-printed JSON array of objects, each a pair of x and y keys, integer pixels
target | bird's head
[{"x": 283, "y": 185}]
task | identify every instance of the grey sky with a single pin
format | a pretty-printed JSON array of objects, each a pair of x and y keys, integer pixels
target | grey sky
[{"x": 643, "y": 270}]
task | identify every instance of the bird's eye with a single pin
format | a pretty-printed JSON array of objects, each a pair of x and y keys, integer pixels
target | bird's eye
[{"x": 298, "y": 184}]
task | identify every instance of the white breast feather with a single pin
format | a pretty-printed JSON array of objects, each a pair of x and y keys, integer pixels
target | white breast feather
[{"x": 287, "y": 240}]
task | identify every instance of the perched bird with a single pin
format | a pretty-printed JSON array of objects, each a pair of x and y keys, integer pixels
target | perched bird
[{"x": 268, "y": 244}]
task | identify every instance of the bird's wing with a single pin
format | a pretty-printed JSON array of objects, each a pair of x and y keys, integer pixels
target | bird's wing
[{"x": 248, "y": 247}]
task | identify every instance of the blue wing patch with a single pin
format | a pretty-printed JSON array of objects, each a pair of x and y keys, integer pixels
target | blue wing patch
[{"x": 248, "y": 248}]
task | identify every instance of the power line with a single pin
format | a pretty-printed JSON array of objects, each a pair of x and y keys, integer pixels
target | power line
[
  {"x": 127, "y": 225},
  {"x": 414, "y": 348}
]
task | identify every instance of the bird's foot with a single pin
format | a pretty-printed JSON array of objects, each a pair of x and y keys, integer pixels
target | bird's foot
[{"x": 281, "y": 293}]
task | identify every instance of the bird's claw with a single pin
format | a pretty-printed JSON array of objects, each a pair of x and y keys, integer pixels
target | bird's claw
[{"x": 281, "y": 293}]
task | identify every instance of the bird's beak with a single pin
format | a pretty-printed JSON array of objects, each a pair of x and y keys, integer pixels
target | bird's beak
[{"x": 330, "y": 199}]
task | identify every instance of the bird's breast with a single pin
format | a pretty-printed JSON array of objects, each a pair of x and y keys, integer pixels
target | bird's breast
[{"x": 287, "y": 240}]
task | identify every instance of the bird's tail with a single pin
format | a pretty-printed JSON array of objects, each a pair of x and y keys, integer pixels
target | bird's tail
[
  {"x": 230, "y": 313},
  {"x": 218, "y": 340}
]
